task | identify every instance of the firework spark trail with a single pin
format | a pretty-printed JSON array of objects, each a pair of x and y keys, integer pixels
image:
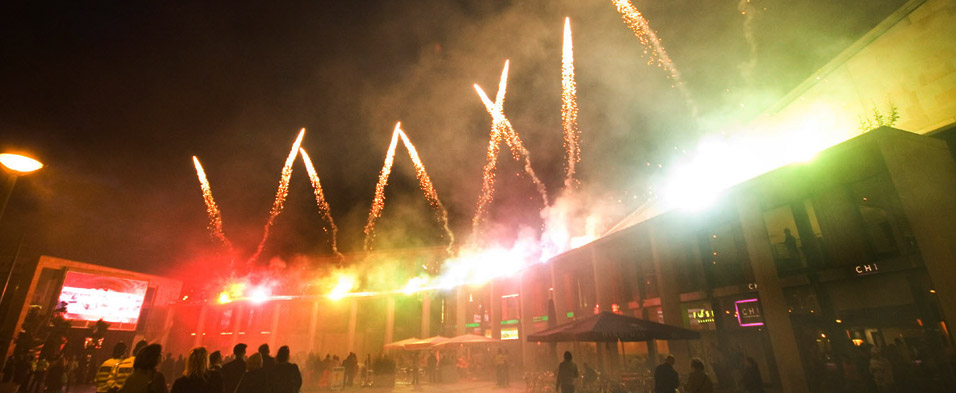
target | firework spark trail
[
  {"x": 378, "y": 202},
  {"x": 281, "y": 194},
  {"x": 427, "y": 187},
  {"x": 653, "y": 47},
  {"x": 513, "y": 141},
  {"x": 215, "y": 217},
  {"x": 748, "y": 11},
  {"x": 324, "y": 209},
  {"x": 569, "y": 107}
]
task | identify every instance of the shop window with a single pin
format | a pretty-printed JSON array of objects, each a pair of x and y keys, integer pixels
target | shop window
[
  {"x": 785, "y": 242},
  {"x": 885, "y": 228}
]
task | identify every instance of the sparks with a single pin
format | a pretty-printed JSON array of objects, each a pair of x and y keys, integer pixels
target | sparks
[
  {"x": 378, "y": 202},
  {"x": 215, "y": 217},
  {"x": 653, "y": 47},
  {"x": 427, "y": 187},
  {"x": 569, "y": 107},
  {"x": 323, "y": 205},
  {"x": 501, "y": 128},
  {"x": 281, "y": 194}
]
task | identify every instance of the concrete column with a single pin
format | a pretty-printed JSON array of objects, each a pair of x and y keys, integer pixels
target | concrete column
[
  {"x": 600, "y": 298},
  {"x": 494, "y": 296},
  {"x": 426, "y": 314},
  {"x": 353, "y": 319},
  {"x": 240, "y": 311},
  {"x": 313, "y": 324},
  {"x": 389, "y": 318},
  {"x": 924, "y": 174},
  {"x": 774, "y": 304},
  {"x": 668, "y": 289},
  {"x": 201, "y": 326},
  {"x": 525, "y": 297},
  {"x": 459, "y": 311},
  {"x": 274, "y": 329}
]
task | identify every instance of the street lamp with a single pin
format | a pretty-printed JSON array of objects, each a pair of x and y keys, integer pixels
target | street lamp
[{"x": 18, "y": 165}]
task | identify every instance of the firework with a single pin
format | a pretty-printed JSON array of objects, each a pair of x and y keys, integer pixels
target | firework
[
  {"x": 324, "y": 209},
  {"x": 215, "y": 217},
  {"x": 427, "y": 187},
  {"x": 569, "y": 106},
  {"x": 378, "y": 202},
  {"x": 281, "y": 194},
  {"x": 502, "y": 128},
  {"x": 652, "y": 46}
]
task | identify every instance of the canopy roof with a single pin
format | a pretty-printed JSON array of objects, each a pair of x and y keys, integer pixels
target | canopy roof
[
  {"x": 401, "y": 343},
  {"x": 467, "y": 339},
  {"x": 425, "y": 343},
  {"x": 608, "y": 326}
]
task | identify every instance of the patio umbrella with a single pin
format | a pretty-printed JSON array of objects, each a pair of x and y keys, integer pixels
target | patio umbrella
[
  {"x": 610, "y": 327},
  {"x": 466, "y": 339},
  {"x": 400, "y": 344},
  {"x": 425, "y": 343}
]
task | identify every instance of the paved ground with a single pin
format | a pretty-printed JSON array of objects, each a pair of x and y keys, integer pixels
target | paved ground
[{"x": 462, "y": 387}]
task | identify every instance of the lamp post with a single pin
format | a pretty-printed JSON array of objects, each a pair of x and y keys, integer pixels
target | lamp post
[{"x": 17, "y": 165}]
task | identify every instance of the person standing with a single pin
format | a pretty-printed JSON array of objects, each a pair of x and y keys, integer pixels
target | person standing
[
  {"x": 267, "y": 361},
  {"x": 666, "y": 379},
  {"x": 215, "y": 361},
  {"x": 566, "y": 375},
  {"x": 125, "y": 367},
  {"x": 56, "y": 375},
  {"x": 285, "y": 376},
  {"x": 145, "y": 378},
  {"x": 351, "y": 365},
  {"x": 197, "y": 378},
  {"x": 232, "y": 371},
  {"x": 698, "y": 381},
  {"x": 103, "y": 373},
  {"x": 256, "y": 378}
]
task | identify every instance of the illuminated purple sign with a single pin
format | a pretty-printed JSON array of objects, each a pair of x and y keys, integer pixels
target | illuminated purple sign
[{"x": 748, "y": 312}]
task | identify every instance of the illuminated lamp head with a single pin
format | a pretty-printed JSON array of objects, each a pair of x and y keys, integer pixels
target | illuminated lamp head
[{"x": 20, "y": 164}]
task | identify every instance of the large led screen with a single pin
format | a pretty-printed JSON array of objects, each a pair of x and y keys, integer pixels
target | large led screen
[{"x": 91, "y": 297}]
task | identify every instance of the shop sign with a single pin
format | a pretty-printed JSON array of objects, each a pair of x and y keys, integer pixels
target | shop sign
[
  {"x": 748, "y": 312},
  {"x": 700, "y": 318},
  {"x": 865, "y": 269},
  {"x": 509, "y": 334}
]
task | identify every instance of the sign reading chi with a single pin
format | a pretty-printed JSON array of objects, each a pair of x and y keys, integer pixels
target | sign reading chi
[
  {"x": 748, "y": 312},
  {"x": 869, "y": 268}
]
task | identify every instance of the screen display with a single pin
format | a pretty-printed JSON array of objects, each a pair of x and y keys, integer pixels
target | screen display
[{"x": 91, "y": 297}]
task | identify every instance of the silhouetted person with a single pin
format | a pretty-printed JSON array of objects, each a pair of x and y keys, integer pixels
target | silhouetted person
[
  {"x": 179, "y": 366},
  {"x": 197, "y": 378},
  {"x": 256, "y": 379},
  {"x": 215, "y": 361},
  {"x": 125, "y": 367},
  {"x": 351, "y": 366},
  {"x": 752, "y": 381},
  {"x": 791, "y": 243},
  {"x": 666, "y": 379},
  {"x": 145, "y": 378},
  {"x": 698, "y": 381},
  {"x": 566, "y": 375},
  {"x": 232, "y": 371},
  {"x": 56, "y": 376},
  {"x": 267, "y": 361},
  {"x": 285, "y": 376}
]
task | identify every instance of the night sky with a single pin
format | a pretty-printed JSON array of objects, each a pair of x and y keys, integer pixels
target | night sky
[{"x": 115, "y": 97}]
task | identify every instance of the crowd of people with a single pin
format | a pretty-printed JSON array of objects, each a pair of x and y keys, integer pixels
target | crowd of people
[{"x": 36, "y": 374}]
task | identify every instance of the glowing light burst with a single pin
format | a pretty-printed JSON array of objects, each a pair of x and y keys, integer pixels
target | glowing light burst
[
  {"x": 652, "y": 46},
  {"x": 343, "y": 288},
  {"x": 260, "y": 295},
  {"x": 281, "y": 194},
  {"x": 215, "y": 217},
  {"x": 501, "y": 129},
  {"x": 323, "y": 205},
  {"x": 378, "y": 202},
  {"x": 569, "y": 106}
]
